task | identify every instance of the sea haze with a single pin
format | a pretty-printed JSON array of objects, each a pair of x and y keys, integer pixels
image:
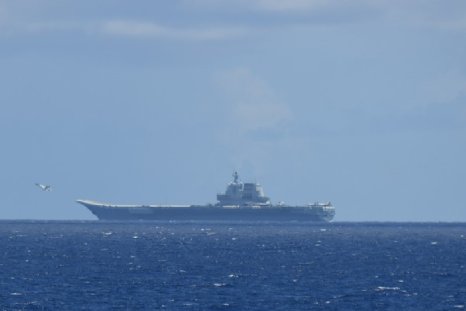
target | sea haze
[{"x": 240, "y": 266}]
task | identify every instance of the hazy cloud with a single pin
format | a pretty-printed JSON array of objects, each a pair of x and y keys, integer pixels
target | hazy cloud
[
  {"x": 270, "y": 5},
  {"x": 254, "y": 105},
  {"x": 447, "y": 23},
  {"x": 255, "y": 120},
  {"x": 419, "y": 13},
  {"x": 445, "y": 88},
  {"x": 149, "y": 29},
  {"x": 18, "y": 17},
  {"x": 426, "y": 14},
  {"x": 124, "y": 28},
  {"x": 2, "y": 12},
  {"x": 294, "y": 5}
]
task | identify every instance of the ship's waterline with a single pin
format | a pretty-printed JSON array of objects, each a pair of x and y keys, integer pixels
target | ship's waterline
[{"x": 241, "y": 201}]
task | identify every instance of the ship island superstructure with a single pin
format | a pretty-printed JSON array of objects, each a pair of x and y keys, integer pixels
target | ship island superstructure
[{"x": 240, "y": 202}]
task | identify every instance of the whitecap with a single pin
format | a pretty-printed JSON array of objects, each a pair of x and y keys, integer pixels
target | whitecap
[
  {"x": 433, "y": 243},
  {"x": 16, "y": 294},
  {"x": 220, "y": 284},
  {"x": 386, "y": 288},
  {"x": 32, "y": 303}
]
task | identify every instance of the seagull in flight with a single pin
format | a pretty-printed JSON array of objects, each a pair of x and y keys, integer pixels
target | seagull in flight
[{"x": 44, "y": 187}]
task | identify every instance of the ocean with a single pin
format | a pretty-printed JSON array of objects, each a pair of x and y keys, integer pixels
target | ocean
[{"x": 57, "y": 265}]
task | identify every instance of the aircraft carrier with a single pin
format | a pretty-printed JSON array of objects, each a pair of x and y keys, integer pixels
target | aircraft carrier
[{"x": 240, "y": 202}]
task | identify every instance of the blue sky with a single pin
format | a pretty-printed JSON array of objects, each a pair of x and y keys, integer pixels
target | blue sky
[{"x": 358, "y": 102}]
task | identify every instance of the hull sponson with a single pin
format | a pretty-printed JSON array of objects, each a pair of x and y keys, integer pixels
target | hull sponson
[{"x": 208, "y": 212}]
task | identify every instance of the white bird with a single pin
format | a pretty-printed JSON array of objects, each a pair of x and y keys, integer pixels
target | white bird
[{"x": 44, "y": 187}]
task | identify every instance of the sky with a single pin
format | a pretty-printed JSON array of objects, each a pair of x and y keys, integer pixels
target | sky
[{"x": 361, "y": 103}]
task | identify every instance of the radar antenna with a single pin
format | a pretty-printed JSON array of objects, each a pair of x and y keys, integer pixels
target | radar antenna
[{"x": 235, "y": 176}]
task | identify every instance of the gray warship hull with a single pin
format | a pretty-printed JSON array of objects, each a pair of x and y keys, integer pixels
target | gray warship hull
[
  {"x": 208, "y": 212},
  {"x": 240, "y": 202}
]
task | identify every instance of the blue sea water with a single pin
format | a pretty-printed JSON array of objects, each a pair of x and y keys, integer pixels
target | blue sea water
[{"x": 240, "y": 266}]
